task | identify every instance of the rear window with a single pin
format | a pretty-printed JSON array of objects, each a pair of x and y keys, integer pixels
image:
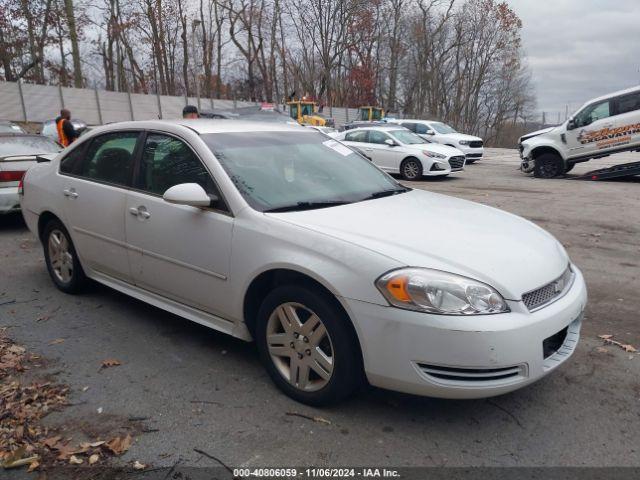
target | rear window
[{"x": 27, "y": 145}]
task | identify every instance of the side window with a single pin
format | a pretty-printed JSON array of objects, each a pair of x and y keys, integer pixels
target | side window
[
  {"x": 71, "y": 162},
  {"x": 356, "y": 136},
  {"x": 377, "y": 137},
  {"x": 410, "y": 126},
  {"x": 421, "y": 129},
  {"x": 168, "y": 161},
  {"x": 628, "y": 103},
  {"x": 593, "y": 113},
  {"x": 109, "y": 158}
]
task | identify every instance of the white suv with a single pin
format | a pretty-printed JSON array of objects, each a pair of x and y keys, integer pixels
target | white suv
[
  {"x": 603, "y": 126},
  {"x": 438, "y": 132},
  {"x": 396, "y": 150}
]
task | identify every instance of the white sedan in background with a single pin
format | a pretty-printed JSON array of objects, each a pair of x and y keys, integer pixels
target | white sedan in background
[
  {"x": 395, "y": 149},
  {"x": 438, "y": 132},
  {"x": 340, "y": 274}
]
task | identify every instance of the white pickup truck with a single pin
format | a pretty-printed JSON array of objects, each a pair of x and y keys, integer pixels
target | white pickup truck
[{"x": 602, "y": 127}]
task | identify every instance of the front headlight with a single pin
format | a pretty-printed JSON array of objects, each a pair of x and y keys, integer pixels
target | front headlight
[
  {"x": 434, "y": 291},
  {"x": 464, "y": 142},
  {"x": 434, "y": 154}
]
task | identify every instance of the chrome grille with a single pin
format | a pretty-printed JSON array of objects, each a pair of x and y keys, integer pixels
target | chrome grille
[
  {"x": 457, "y": 163},
  {"x": 548, "y": 293},
  {"x": 475, "y": 143}
]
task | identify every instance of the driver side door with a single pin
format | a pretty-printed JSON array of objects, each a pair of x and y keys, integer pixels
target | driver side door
[{"x": 591, "y": 126}]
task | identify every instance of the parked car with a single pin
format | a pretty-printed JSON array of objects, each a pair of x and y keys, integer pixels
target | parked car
[
  {"x": 438, "y": 132},
  {"x": 601, "y": 127},
  {"x": 18, "y": 152},
  {"x": 10, "y": 127},
  {"x": 329, "y": 131},
  {"x": 49, "y": 128},
  {"x": 397, "y": 150},
  {"x": 340, "y": 274}
]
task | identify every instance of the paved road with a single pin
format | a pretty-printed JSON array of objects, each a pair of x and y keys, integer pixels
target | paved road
[{"x": 200, "y": 389}]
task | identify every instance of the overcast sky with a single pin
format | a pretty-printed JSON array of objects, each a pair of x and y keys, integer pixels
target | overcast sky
[{"x": 579, "y": 49}]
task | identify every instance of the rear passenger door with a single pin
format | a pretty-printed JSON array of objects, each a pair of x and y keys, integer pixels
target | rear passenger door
[
  {"x": 627, "y": 118},
  {"x": 180, "y": 252},
  {"x": 95, "y": 178},
  {"x": 383, "y": 155}
]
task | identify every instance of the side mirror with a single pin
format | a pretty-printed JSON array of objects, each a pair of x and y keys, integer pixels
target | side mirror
[
  {"x": 390, "y": 142},
  {"x": 430, "y": 132},
  {"x": 571, "y": 124},
  {"x": 190, "y": 194}
]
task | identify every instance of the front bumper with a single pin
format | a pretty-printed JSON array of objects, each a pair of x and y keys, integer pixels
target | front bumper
[
  {"x": 9, "y": 200},
  {"x": 471, "y": 153},
  {"x": 467, "y": 357}
]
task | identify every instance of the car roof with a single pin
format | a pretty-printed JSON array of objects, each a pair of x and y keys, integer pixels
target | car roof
[
  {"x": 400, "y": 120},
  {"x": 615, "y": 94},
  {"x": 381, "y": 128},
  {"x": 203, "y": 126}
]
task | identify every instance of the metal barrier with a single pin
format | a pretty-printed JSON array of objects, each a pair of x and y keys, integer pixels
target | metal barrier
[{"x": 24, "y": 102}]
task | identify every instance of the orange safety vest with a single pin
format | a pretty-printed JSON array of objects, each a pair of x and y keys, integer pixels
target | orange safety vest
[{"x": 62, "y": 137}]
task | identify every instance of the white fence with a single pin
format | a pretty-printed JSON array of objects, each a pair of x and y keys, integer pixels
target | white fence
[{"x": 25, "y": 102}]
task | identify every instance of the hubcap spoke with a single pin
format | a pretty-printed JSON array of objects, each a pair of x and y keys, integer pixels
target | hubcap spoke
[
  {"x": 60, "y": 257},
  {"x": 300, "y": 346}
]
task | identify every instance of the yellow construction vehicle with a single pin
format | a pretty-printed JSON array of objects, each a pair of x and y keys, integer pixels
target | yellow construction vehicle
[
  {"x": 371, "y": 114},
  {"x": 305, "y": 112}
]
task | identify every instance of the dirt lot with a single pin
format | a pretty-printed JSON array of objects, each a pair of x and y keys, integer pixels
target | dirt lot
[{"x": 190, "y": 388}]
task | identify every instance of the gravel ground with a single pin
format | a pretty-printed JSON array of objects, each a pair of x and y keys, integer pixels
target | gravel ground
[{"x": 198, "y": 389}]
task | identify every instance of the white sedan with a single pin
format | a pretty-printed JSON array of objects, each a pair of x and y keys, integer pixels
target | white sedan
[
  {"x": 395, "y": 149},
  {"x": 438, "y": 132},
  {"x": 339, "y": 273}
]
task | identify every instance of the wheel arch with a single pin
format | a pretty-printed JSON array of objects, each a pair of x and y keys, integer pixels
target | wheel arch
[
  {"x": 537, "y": 151},
  {"x": 46, "y": 217},
  {"x": 268, "y": 280}
]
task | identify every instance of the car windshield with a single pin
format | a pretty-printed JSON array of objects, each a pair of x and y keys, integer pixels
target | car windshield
[
  {"x": 406, "y": 137},
  {"x": 442, "y": 128},
  {"x": 297, "y": 170},
  {"x": 27, "y": 145}
]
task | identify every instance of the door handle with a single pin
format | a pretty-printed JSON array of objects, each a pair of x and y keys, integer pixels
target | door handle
[
  {"x": 70, "y": 192},
  {"x": 140, "y": 212}
]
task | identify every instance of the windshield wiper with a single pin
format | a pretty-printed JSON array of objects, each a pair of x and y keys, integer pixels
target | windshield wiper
[
  {"x": 305, "y": 206},
  {"x": 387, "y": 193}
]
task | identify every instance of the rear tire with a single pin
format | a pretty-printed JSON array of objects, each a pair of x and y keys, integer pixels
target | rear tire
[
  {"x": 61, "y": 258},
  {"x": 308, "y": 346},
  {"x": 548, "y": 165},
  {"x": 411, "y": 169}
]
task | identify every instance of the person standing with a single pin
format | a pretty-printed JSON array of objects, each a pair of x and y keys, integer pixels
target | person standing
[
  {"x": 190, "y": 112},
  {"x": 67, "y": 134}
]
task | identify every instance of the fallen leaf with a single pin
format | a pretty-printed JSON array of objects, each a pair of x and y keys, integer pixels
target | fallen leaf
[
  {"x": 33, "y": 465},
  {"x": 605, "y": 337},
  {"x": 84, "y": 389},
  {"x": 119, "y": 445},
  {"x": 42, "y": 318},
  {"x": 110, "y": 362},
  {"x": 100, "y": 410},
  {"x": 629, "y": 348},
  {"x": 94, "y": 458},
  {"x": 73, "y": 460},
  {"x": 20, "y": 462},
  {"x": 97, "y": 444},
  {"x": 601, "y": 350},
  {"x": 138, "y": 466},
  {"x": 56, "y": 341},
  {"x": 16, "y": 349},
  {"x": 51, "y": 442}
]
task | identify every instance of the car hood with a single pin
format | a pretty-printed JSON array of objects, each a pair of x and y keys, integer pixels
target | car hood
[
  {"x": 441, "y": 149},
  {"x": 536, "y": 133},
  {"x": 424, "y": 229}
]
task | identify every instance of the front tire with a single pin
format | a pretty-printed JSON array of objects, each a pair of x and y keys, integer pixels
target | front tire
[
  {"x": 308, "y": 346},
  {"x": 61, "y": 258},
  {"x": 411, "y": 169},
  {"x": 548, "y": 165}
]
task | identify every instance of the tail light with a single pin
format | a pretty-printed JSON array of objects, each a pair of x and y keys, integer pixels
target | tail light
[{"x": 11, "y": 176}]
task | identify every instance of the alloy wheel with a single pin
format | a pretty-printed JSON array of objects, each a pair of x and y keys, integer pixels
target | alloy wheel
[
  {"x": 411, "y": 170},
  {"x": 300, "y": 346},
  {"x": 60, "y": 256}
]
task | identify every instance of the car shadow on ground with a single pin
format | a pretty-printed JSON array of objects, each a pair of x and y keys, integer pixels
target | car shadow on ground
[{"x": 12, "y": 222}]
